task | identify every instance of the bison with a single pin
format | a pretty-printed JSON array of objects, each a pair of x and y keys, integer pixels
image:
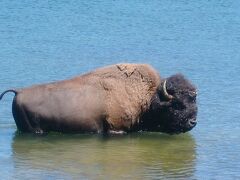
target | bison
[{"x": 118, "y": 98}]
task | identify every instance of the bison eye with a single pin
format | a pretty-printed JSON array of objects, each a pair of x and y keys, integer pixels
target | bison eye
[
  {"x": 192, "y": 98},
  {"x": 178, "y": 105}
]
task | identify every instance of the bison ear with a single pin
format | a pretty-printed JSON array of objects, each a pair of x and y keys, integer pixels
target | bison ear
[{"x": 157, "y": 103}]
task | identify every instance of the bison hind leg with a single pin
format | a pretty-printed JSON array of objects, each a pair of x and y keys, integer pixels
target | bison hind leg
[{"x": 23, "y": 121}]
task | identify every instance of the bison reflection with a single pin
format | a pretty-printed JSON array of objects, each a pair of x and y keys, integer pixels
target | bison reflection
[
  {"x": 133, "y": 156},
  {"x": 114, "y": 99}
]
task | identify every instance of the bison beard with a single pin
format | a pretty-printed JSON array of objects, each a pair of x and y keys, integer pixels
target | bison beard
[{"x": 114, "y": 99}]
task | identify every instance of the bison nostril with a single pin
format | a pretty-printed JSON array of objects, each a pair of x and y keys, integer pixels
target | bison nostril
[{"x": 192, "y": 122}]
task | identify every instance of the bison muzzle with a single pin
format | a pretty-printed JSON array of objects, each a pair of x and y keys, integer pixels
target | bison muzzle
[{"x": 119, "y": 98}]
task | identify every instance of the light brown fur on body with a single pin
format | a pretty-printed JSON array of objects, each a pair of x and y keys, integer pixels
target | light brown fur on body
[{"x": 109, "y": 98}]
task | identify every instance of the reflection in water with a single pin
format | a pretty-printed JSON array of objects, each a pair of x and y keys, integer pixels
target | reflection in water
[{"x": 135, "y": 156}]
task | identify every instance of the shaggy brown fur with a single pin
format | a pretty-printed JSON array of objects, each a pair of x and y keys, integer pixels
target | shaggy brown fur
[{"x": 110, "y": 99}]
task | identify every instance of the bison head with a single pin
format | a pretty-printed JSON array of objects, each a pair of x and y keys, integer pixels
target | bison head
[{"x": 173, "y": 108}]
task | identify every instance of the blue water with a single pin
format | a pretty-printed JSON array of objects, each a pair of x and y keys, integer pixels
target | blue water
[{"x": 44, "y": 41}]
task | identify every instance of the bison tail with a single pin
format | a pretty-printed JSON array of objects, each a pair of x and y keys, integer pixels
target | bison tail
[{"x": 10, "y": 90}]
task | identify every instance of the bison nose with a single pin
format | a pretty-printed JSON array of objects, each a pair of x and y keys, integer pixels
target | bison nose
[{"x": 192, "y": 122}]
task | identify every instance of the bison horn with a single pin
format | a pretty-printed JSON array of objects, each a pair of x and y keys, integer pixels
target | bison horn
[{"x": 168, "y": 96}]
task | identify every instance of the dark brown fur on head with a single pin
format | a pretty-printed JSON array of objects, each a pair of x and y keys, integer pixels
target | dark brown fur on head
[{"x": 176, "y": 112}]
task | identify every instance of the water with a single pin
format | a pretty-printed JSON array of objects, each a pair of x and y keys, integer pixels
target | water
[{"x": 43, "y": 41}]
